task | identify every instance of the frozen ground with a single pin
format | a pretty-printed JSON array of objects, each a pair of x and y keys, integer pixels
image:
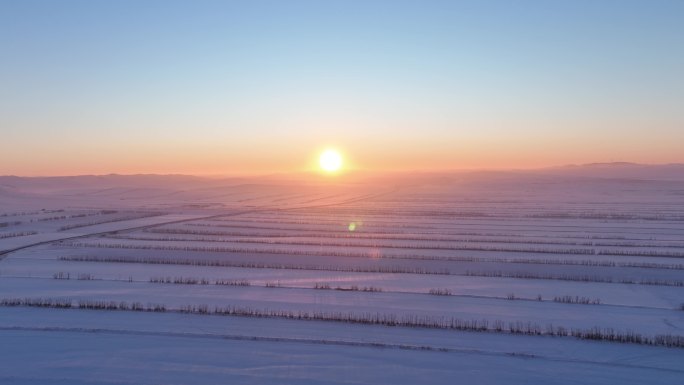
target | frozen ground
[{"x": 477, "y": 278}]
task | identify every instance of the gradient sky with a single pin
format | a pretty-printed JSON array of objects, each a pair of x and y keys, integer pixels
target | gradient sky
[{"x": 234, "y": 87}]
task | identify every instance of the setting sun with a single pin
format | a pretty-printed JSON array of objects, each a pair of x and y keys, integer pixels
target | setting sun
[{"x": 330, "y": 160}]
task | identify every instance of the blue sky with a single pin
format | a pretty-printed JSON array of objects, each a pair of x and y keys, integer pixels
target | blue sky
[{"x": 241, "y": 86}]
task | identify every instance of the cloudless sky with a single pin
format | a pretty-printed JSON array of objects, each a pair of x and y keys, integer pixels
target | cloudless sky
[{"x": 226, "y": 87}]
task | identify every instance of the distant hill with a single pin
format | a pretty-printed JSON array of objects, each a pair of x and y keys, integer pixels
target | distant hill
[
  {"x": 622, "y": 170},
  {"x": 18, "y": 186}
]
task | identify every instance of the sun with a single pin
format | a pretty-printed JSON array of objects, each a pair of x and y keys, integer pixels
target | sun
[{"x": 330, "y": 160}]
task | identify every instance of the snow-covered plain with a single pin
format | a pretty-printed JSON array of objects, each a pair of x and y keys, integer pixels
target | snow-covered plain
[{"x": 412, "y": 279}]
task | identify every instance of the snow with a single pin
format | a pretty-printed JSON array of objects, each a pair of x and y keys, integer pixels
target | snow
[
  {"x": 296, "y": 236},
  {"x": 179, "y": 349}
]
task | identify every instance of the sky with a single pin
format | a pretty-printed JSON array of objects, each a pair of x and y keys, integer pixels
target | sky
[{"x": 241, "y": 87}]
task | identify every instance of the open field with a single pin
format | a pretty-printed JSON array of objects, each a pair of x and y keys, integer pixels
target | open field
[
  {"x": 485, "y": 278},
  {"x": 350, "y": 192}
]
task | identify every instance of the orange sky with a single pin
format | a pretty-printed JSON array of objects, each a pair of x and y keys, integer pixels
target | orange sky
[{"x": 258, "y": 158}]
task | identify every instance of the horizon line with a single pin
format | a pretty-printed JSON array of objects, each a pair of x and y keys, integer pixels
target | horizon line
[{"x": 352, "y": 171}]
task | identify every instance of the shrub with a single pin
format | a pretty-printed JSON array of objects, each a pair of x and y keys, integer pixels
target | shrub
[
  {"x": 17, "y": 234},
  {"x": 421, "y": 321},
  {"x": 440, "y": 292},
  {"x": 180, "y": 280},
  {"x": 577, "y": 300},
  {"x": 85, "y": 277},
  {"x": 232, "y": 282},
  {"x": 61, "y": 275}
]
